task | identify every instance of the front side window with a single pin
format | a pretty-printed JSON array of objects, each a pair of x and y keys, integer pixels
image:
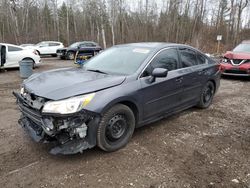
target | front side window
[
  {"x": 167, "y": 59},
  {"x": 42, "y": 44},
  {"x": 14, "y": 49},
  {"x": 54, "y": 44},
  {"x": 188, "y": 57}
]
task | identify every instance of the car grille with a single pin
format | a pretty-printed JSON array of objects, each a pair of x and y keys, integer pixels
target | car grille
[
  {"x": 61, "y": 51},
  {"x": 236, "y": 71},
  {"x": 31, "y": 114},
  {"x": 237, "y": 61}
]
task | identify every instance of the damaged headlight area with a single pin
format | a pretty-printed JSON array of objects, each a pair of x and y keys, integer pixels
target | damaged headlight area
[
  {"x": 68, "y": 106},
  {"x": 63, "y": 122}
]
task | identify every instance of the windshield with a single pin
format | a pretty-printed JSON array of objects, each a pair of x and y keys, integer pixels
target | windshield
[
  {"x": 74, "y": 45},
  {"x": 242, "y": 48},
  {"x": 118, "y": 60}
]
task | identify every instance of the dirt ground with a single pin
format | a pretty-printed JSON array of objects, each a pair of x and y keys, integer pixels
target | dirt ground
[{"x": 196, "y": 148}]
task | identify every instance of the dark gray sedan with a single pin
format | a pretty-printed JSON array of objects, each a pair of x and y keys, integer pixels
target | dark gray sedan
[{"x": 122, "y": 88}]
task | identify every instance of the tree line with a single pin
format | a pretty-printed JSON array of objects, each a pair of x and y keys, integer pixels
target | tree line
[{"x": 109, "y": 22}]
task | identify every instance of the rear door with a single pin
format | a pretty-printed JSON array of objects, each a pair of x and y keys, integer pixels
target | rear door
[
  {"x": 13, "y": 56},
  {"x": 191, "y": 73},
  {"x": 163, "y": 95},
  {"x": 53, "y": 46},
  {"x": 44, "y": 48}
]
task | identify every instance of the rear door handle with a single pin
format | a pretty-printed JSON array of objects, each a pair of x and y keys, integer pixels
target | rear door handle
[{"x": 179, "y": 79}]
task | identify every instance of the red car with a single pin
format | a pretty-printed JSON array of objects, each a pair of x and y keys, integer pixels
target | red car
[{"x": 237, "y": 62}]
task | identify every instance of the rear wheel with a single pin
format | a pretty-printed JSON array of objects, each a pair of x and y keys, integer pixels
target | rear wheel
[
  {"x": 207, "y": 95},
  {"x": 70, "y": 55},
  {"x": 116, "y": 128}
]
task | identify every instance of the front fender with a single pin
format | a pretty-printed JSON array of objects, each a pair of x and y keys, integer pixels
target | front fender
[{"x": 124, "y": 93}]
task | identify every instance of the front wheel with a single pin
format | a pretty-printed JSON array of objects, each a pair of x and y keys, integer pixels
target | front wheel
[
  {"x": 70, "y": 55},
  {"x": 207, "y": 95},
  {"x": 115, "y": 128}
]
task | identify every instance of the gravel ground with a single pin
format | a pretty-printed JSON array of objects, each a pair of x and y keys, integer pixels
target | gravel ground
[{"x": 196, "y": 148}]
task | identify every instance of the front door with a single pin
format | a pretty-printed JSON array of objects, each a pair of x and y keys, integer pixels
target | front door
[{"x": 163, "y": 95}]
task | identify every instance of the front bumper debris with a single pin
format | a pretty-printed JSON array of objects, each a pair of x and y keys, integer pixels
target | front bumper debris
[{"x": 69, "y": 134}]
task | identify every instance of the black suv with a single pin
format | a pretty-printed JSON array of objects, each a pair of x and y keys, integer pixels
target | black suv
[
  {"x": 84, "y": 48},
  {"x": 124, "y": 87}
]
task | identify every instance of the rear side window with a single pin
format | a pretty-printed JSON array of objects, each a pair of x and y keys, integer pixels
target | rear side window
[
  {"x": 201, "y": 59},
  {"x": 188, "y": 57},
  {"x": 54, "y": 44},
  {"x": 14, "y": 49},
  {"x": 88, "y": 44}
]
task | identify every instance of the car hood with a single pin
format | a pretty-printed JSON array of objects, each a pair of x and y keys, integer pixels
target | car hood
[
  {"x": 62, "y": 49},
  {"x": 237, "y": 55},
  {"x": 64, "y": 83}
]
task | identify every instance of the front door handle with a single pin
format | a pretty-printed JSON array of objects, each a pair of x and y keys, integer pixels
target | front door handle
[
  {"x": 179, "y": 79},
  {"x": 202, "y": 71}
]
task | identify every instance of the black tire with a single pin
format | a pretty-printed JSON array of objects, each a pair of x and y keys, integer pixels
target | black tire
[
  {"x": 115, "y": 128},
  {"x": 207, "y": 95},
  {"x": 70, "y": 55}
]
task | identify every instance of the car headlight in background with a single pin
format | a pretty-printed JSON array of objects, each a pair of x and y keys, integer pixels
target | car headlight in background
[
  {"x": 22, "y": 90},
  {"x": 68, "y": 106},
  {"x": 224, "y": 60}
]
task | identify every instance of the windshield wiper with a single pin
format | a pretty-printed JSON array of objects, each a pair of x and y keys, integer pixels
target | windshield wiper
[{"x": 96, "y": 70}]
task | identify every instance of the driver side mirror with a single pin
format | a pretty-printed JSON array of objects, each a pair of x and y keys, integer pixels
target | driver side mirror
[{"x": 158, "y": 73}]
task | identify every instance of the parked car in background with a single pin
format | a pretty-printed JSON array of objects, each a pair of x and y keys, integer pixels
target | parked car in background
[
  {"x": 85, "y": 48},
  {"x": 237, "y": 62},
  {"x": 124, "y": 87},
  {"x": 10, "y": 55},
  {"x": 48, "y": 47}
]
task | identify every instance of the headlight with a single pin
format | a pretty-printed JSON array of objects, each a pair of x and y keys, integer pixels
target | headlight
[
  {"x": 22, "y": 90},
  {"x": 224, "y": 60},
  {"x": 68, "y": 106}
]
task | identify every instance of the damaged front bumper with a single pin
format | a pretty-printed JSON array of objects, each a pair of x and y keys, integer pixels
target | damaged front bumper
[{"x": 71, "y": 134}]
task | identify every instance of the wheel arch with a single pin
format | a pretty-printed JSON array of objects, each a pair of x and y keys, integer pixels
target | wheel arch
[
  {"x": 134, "y": 109},
  {"x": 38, "y": 52},
  {"x": 28, "y": 58},
  {"x": 214, "y": 82},
  {"x": 127, "y": 102}
]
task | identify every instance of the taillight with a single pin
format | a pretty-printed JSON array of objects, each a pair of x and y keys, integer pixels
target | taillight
[{"x": 35, "y": 52}]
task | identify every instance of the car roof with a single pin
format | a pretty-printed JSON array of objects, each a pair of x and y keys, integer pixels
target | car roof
[
  {"x": 86, "y": 42},
  {"x": 50, "y": 41},
  {"x": 245, "y": 42},
  {"x": 8, "y": 44},
  {"x": 155, "y": 45}
]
